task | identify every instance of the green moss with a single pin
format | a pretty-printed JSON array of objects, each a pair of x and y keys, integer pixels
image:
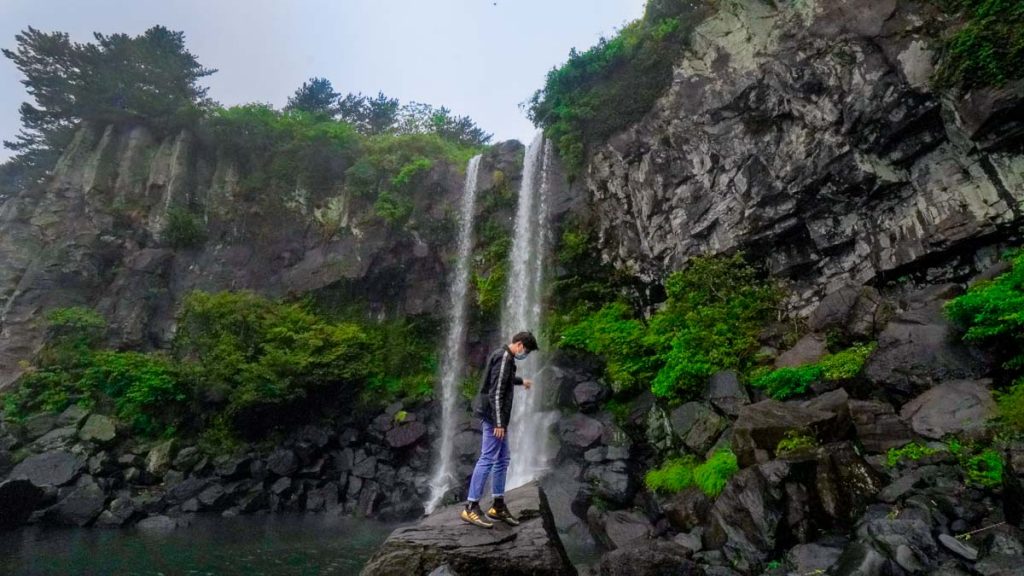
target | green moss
[
  {"x": 673, "y": 476},
  {"x": 712, "y": 476},
  {"x": 984, "y": 469},
  {"x": 1011, "y": 406},
  {"x": 987, "y": 49},
  {"x": 782, "y": 383},
  {"x": 912, "y": 451},
  {"x": 680, "y": 473},
  {"x": 795, "y": 441}
]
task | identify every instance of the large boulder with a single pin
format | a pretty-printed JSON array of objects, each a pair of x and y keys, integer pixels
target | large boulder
[
  {"x": 726, "y": 393},
  {"x": 55, "y": 468},
  {"x": 877, "y": 425},
  {"x": 918, "y": 350},
  {"x": 852, "y": 309},
  {"x": 579, "y": 432},
  {"x": 749, "y": 516},
  {"x": 406, "y": 434},
  {"x": 807, "y": 350},
  {"x": 649, "y": 558},
  {"x": 845, "y": 483},
  {"x": 960, "y": 407},
  {"x": 282, "y": 462},
  {"x": 618, "y": 528},
  {"x": 588, "y": 395},
  {"x": 159, "y": 459},
  {"x": 759, "y": 428},
  {"x": 687, "y": 510},
  {"x": 99, "y": 429},
  {"x": 532, "y": 548},
  {"x": 79, "y": 506},
  {"x": 18, "y": 498},
  {"x": 697, "y": 425},
  {"x": 612, "y": 481}
]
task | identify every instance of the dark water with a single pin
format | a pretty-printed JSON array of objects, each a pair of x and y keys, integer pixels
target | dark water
[{"x": 273, "y": 545}]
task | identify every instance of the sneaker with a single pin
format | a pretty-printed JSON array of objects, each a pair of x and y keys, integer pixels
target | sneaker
[
  {"x": 472, "y": 516},
  {"x": 501, "y": 512}
]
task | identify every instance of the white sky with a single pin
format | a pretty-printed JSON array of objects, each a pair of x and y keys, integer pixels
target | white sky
[{"x": 479, "y": 58}]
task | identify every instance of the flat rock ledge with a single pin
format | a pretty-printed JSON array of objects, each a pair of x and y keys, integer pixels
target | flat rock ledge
[{"x": 442, "y": 542}]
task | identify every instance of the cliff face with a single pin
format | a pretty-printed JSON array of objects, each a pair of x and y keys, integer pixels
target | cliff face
[
  {"x": 807, "y": 135},
  {"x": 92, "y": 236}
]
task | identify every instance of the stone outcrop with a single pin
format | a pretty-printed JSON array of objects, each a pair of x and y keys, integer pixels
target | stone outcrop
[
  {"x": 808, "y": 135},
  {"x": 442, "y": 539}
]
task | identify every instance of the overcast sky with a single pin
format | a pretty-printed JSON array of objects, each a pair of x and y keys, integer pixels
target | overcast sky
[{"x": 480, "y": 58}]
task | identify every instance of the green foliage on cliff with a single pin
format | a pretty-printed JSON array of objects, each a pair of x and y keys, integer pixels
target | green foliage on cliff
[
  {"x": 710, "y": 321},
  {"x": 241, "y": 364},
  {"x": 150, "y": 78},
  {"x": 183, "y": 229},
  {"x": 782, "y": 383},
  {"x": 677, "y": 474},
  {"x": 991, "y": 314},
  {"x": 987, "y": 49},
  {"x": 611, "y": 85}
]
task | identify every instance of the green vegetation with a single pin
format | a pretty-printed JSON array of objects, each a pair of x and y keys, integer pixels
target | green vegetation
[
  {"x": 241, "y": 365},
  {"x": 912, "y": 451},
  {"x": 991, "y": 314},
  {"x": 988, "y": 48},
  {"x": 795, "y": 441},
  {"x": 489, "y": 267},
  {"x": 709, "y": 322},
  {"x": 183, "y": 229},
  {"x": 680, "y": 473},
  {"x": 600, "y": 91},
  {"x": 984, "y": 469},
  {"x": 785, "y": 382}
]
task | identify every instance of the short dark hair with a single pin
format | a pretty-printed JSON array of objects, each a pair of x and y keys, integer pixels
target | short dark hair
[{"x": 526, "y": 337}]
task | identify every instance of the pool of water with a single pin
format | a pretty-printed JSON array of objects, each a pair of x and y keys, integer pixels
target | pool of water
[{"x": 271, "y": 545}]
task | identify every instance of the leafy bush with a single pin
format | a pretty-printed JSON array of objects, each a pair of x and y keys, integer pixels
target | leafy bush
[
  {"x": 912, "y": 451},
  {"x": 992, "y": 314},
  {"x": 984, "y": 469},
  {"x": 710, "y": 321},
  {"x": 789, "y": 381},
  {"x": 145, "y": 388},
  {"x": 183, "y": 229},
  {"x": 600, "y": 91},
  {"x": 712, "y": 476},
  {"x": 1011, "y": 406},
  {"x": 795, "y": 441},
  {"x": 674, "y": 475},
  {"x": 988, "y": 49}
]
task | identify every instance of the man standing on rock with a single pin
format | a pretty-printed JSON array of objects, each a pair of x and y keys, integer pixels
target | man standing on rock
[{"x": 493, "y": 405}]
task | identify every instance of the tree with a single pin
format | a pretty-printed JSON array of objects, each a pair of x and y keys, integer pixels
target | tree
[
  {"x": 316, "y": 97},
  {"x": 151, "y": 78},
  {"x": 377, "y": 115}
]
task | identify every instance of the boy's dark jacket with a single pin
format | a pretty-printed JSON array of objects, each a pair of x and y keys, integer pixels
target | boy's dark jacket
[{"x": 493, "y": 402}]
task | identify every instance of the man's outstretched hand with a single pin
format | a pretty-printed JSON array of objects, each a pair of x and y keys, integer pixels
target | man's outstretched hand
[
  {"x": 527, "y": 383},
  {"x": 499, "y": 433}
]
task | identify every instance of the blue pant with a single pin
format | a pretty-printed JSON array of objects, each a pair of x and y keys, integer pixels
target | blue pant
[{"x": 494, "y": 459}]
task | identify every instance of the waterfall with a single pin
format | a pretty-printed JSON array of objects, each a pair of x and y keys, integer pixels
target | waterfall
[
  {"x": 453, "y": 362},
  {"x": 528, "y": 429}
]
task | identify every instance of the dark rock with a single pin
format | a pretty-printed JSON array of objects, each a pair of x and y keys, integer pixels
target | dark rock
[
  {"x": 692, "y": 540},
  {"x": 55, "y": 468},
  {"x": 812, "y": 558},
  {"x": 79, "y": 507},
  {"x": 98, "y": 429},
  {"x": 579, "y": 432},
  {"x": 658, "y": 429},
  {"x": 859, "y": 559},
  {"x": 652, "y": 558},
  {"x": 687, "y": 509},
  {"x": 406, "y": 434},
  {"x": 158, "y": 461},
  {"x": 726, "y": 393},
  {"x": 56, "y": 439},
  {"x": 71, "y": 416},
  {"x": 845, "y": 483},
  {"x": 588, "y": 395},
  {"x": 959, "y": 548},
  {"x": 618, "y": 528},
  {"x": 960, "y": 407},
  {"x": 189, "y": 488},
  {"x": 853, "y": 309},
  {"x": 365, "y": 468},
  {"x": 760, "y": 427},
  {"x": 906, "y": 539},
  {"x": 807, "y": 350},
  {"x": 37, "y": 425},
  {"x": 157, "y": 523},
  {"x": 612, "y": 481},
  {"x": 119, "y": 513},
  {"x": 281, "y": 486},
  {"x": 532, "y": 547},
  {"x": 697, "y": 425},
  {"x": 213, "y": 497},
  {"x": 746, "y": 519},
  {"x": 877, "y": 425},
  {"x": 370, "y": 498},
  {"x": 918, "y": 350},
  {"x": 18, "y": 498},
  {"x": 187, "y": 458},
  {"x": 282, "y": 462},
  {"x": 467, "y": 444},
  {"x": 230, "y": 467}
]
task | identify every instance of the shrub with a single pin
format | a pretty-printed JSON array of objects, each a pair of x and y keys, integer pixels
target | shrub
[
  {"x": 789, "y": 381},
  {"x": 912, "y": 451},
  {"x": 795, "y": 441},
  {"x": 988, "y": 49},
  {"x": 674, "y": 475},
  {"x": 183, "y": 230},
  {"x": 984, "y": 469},
  {"x": 1011, "y": 406},
  {"x": 146, "y": 391},
  {"x": 712, "y": 476},
  {"x": 991, "y": 313}
]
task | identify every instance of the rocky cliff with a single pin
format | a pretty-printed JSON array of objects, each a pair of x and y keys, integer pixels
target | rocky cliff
[
  {"x": 807, "y": 134},
  {"x": 92, "y": 235}
]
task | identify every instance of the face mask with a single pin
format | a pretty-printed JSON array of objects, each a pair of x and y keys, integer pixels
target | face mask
[{"x": 522, "y": 356}]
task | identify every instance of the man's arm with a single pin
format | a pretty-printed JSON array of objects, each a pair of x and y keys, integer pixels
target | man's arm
[{"x": 496, "y": 388}]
